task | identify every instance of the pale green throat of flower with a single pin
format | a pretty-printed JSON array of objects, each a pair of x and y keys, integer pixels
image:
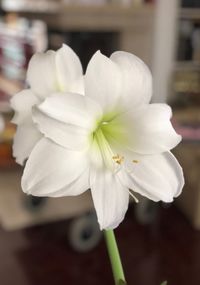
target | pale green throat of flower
[{"x": 108, "y": 136}]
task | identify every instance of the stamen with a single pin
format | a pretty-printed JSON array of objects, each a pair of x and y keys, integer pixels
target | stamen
[
  {"x": 133, "y": 196},
  {"x": 118, "y": 159},
  {"x": 135, "y": 161}
]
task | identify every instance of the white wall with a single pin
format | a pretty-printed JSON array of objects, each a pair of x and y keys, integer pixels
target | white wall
[{"x": 164, "y": 47}]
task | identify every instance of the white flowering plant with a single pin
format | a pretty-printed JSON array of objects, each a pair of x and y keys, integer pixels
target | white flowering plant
[{"x": 95, "y": 131}]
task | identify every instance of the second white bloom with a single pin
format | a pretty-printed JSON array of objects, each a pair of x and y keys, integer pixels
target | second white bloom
[{"x": 49, "y": 72}]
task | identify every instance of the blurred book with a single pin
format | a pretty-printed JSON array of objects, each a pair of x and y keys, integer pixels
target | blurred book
[
  {"x": 189, "y": 41},
  {"x": 189, "y": 134},
  {"x": 19, "y": 39},
  {"x": 184, "y": 51},
  {"x": 196, "y": 44},
  {"x": 128, "y": 2},
  {"x": 187, "y": 80},
  {"x": 187, "y": 123}
]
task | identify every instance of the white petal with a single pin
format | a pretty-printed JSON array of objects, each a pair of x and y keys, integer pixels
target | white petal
[
  {"x": 67, "y": 119},
  {"x": 41, "y": 74},
  {"x": 96, "y": 157},
  {"x": 110, "y": 198},
  {"x": 22, "y": 104},
  {"x": 68, "y": 136},
  {"x": 151, "y": 129},
  {"x": 136, "y": 78},
  {"x": 103, "y": 81},
  {"x": 25, "y": 139},
  {"x": 157, "y": 177},
  {"x": 77, "y": 187},
  {"x": 51, "y": 168},
  {"x": 72, "y": 108},
  {"x": 69, "y": 70}
]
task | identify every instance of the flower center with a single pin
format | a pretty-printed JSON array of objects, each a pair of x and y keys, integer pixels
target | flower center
[{"x": 108, "y": 137}]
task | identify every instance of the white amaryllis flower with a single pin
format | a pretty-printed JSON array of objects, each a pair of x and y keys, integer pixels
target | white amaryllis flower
[
  {"x": 110, "y": 140},
  {"x": 49, "y": 72}
]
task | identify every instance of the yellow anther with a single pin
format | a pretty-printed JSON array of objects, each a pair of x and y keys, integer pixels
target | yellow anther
[
  {"x": 135, "y": 161},
  {"x": 118, "y": 159}
]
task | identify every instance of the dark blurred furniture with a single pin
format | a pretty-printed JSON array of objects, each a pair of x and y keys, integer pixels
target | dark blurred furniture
[{"x": 186, "y": 103}]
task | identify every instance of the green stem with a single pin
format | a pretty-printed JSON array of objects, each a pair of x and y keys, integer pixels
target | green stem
[{"x": 115, "y": 260}]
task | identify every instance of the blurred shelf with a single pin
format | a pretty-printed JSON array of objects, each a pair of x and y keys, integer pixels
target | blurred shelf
[
  {"x": 92, "y": 17},
  {"x": 190, "y": 115},
  {"x": 30, "y": 6},
  {"x": 14, "y": 213},
  {"x": 108, "y": 8},
  {"x": 54, "y": 7},
  {"x": 190, "y": 14},
  {"x": 187, "y": 65},
  {"x": 128, "y": 22},
  {"x": 190, "y": 141}
]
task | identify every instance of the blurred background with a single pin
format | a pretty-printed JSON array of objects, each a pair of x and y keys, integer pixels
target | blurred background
[{"x": 57, "y": 241}]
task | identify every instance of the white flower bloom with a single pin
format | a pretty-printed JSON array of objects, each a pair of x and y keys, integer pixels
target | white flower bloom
[
  {"x": 47, "y": 73},
  {"x": 110, "y": 140}
]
